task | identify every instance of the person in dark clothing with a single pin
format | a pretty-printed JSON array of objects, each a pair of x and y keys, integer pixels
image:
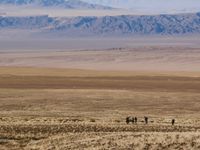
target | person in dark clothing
[
  {"x": 173, "y": 121},
  {"x": 127, "y": 120},
  {"x": 146, "y": 120},
  {"x": 135, "y": 120}
]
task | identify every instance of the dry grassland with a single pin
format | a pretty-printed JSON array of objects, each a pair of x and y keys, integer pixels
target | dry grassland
[{"x": 84, "y": 109}]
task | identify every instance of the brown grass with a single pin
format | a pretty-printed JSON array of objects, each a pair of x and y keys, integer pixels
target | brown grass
[
  {"x": 35, "y": 71},
  {"x": 77, "y": 109},
  {"x": 147, "y": 83}
]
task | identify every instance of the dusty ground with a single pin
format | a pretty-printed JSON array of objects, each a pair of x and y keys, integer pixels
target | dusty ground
[
  {"x": 175, "y": 58},
  {"x": 43, "y": 108}
]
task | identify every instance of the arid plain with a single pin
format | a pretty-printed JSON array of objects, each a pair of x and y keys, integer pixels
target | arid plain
[{"x": 79, "y": 99}]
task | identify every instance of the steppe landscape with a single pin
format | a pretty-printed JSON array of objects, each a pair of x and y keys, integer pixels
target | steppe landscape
[
  {"x": 47, "y": 107},
  {"x": 71, "y": 72}
]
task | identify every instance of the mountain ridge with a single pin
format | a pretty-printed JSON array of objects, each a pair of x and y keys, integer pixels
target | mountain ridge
[
  {"x": 69, "y": 4},
  {"x": 152, "y": 6},
  {"x": 108, "y": 25}
]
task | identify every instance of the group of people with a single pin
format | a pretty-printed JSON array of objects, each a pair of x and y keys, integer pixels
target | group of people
[
  {"x": 134, "y": 120},
  {"x": 131, "y": 120}
]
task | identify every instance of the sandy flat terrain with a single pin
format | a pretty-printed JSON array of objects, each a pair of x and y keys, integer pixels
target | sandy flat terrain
[
  {"x": 26, "y": 41},
  {"x": 155, "y": 58}
]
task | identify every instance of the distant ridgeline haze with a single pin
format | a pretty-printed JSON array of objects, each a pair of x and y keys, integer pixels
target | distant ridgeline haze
[
  {"x": 69, "y": 4},
  {"x": 151, "y": 5}
]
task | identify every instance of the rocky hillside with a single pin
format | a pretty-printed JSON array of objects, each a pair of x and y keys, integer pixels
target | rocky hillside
[{"x": 115, "y": 25}]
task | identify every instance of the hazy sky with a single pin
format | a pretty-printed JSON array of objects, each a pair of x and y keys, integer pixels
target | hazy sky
[{"x": 163, "y": 5}]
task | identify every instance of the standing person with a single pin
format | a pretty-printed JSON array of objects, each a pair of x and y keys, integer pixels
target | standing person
[
  {"x": 146, "y": 120},
  {"x": 173, "y": 121},
  {"x": 135, "y": 120},
  {"x": 127, "y": 120}
]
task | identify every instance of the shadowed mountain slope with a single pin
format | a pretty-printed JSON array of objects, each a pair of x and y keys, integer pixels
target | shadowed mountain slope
[{"x": 108, "y": 25}]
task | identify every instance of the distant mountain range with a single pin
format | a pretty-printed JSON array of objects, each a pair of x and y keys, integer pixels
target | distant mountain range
[
  {"x": 108, "y": 25},
  {"x": 115, "y": 3},
  {"x": 69, "y": 4},
  {"x": 152, "y": 6},
  {"x": 146, "y": 3}
]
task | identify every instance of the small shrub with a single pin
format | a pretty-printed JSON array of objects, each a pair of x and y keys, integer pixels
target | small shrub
[
  {"x": 117, "y": 121},
  {"x": 92, "y": 120}
]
